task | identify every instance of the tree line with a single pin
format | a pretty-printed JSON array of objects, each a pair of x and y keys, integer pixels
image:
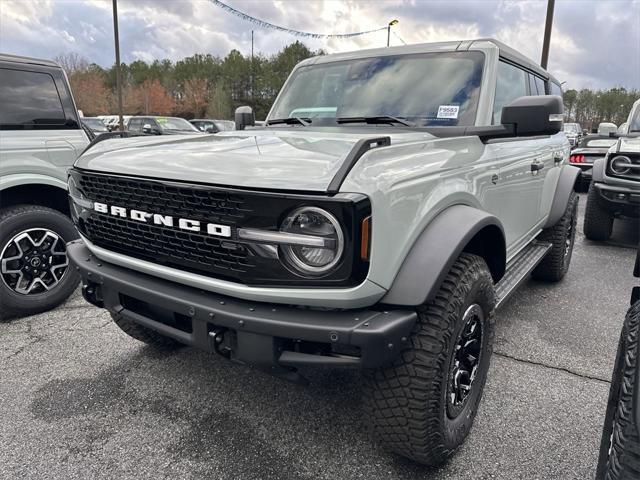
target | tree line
[
  {"x": 590, "y": 107},
  {"x": 204, "y": 85},
  {"x": 199, "y": 86}
]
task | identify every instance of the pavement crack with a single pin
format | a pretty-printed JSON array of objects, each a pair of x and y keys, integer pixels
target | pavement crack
[{"x": 553, "y": 367}]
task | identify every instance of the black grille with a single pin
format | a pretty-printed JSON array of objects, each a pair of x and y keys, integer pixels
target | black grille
[{"x": 220, "y": 257}]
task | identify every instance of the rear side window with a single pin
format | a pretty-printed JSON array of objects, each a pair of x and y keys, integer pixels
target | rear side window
[
  {"x": 29, "y": 98},
  {"x": 511, "y": 83},
  {"x": 555, "y": 89},
  {"x": 539, "y": 85}
]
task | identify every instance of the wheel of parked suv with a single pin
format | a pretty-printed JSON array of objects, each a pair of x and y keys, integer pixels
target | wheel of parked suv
[
  {"x": 145, "y": 335},
  {"x": 620, "y": 444},
  {"x": 562, "y": 235},
  {"x": 598, "y": 221},
  {"x": 423, "y": 405},
  {"x": 34, "y": 272}
]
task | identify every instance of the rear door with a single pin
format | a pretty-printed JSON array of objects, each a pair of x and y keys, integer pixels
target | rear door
[
  {"x": 523, "y": 164},
  {"x": 39, "y": 128}
]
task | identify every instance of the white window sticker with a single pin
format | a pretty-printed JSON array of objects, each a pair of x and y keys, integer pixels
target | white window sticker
[{"x": 448, "y": 111}]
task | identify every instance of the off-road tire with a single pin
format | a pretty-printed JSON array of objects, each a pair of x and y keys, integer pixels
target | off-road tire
[
  {"x": 555, "y": 264},
  {"x": 406, "y": 403},
  {"x": 620, "y": 444},
  {"x": 598, "y": 221},
  {"x": 146, "y": 335},
  {"x": 19, "y": 218}
]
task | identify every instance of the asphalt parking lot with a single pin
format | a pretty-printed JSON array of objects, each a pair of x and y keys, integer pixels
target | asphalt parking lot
[{"x": 80, "y": 399}]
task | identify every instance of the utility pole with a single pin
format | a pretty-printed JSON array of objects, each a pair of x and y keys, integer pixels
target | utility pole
[
  {"x": 547, "y": 33},
  {"x": 390, "y": 24},
  {"x": 252, "y": 74},
  {"x": 118, "y": 79}
]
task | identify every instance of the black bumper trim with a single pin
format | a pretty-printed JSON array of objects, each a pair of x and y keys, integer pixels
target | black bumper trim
[{"x": 378, "y": 334}]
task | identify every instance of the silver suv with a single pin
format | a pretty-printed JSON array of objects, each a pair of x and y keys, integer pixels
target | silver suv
[
  {"x": 40, "y": 138},
  {"x": 395, "y": 198}
]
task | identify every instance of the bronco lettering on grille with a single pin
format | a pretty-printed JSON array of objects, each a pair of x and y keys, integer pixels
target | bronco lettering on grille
[{"x": 164, "y": 220}]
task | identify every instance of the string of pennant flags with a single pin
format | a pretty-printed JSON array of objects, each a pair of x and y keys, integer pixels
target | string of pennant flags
[{"x": 297, "y": 33}]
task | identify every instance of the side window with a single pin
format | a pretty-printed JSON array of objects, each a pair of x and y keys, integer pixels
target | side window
[
  {"x": 532, "y": 85},
  {"x": 135, "y": 125},
  {"x": 29, "y": 98},
  {"x": 555, "y": 89},
  {"x": 540, "y": 85},
  {"x": 511, "y": 83}
]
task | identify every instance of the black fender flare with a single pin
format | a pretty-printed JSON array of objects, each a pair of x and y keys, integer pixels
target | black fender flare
[
  {"x": 598, "y": 170},
  {"x": 567, "y": 180},
  {"x": 456, "y": 229}
]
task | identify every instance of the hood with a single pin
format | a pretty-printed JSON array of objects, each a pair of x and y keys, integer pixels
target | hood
[
  {"x": 300, "y": 159},
  {"x": 627, "y": 145}
]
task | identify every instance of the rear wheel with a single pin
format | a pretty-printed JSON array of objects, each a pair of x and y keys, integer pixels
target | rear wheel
[
  {"x": 34, "y": 270},
  {"x": 620, "y": 444},
  {"x": 555, "y": 264},
  {"x": 423, "y": 405},
  {"x": 598, "y": 221}
]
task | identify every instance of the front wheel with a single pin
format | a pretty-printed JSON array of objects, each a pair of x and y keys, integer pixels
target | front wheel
[
  {"x": 598, "y": 221},
  {"x": 620, "y": 443},
  {"x": 423, "y": 405},
  {"x": 34, "y": 271}
]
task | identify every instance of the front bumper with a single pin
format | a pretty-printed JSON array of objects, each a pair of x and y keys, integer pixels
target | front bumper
[
  {"x": 255, "y": 333},
  {"x": 620, "y": 200}
]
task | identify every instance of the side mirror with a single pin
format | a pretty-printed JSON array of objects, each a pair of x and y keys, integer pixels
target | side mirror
[
  {"x": 244, "y": 117},
  {"x": 534, "y": 115}
]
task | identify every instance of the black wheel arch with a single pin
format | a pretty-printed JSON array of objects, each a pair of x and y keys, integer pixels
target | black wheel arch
[
  {"x": 457, "y": 229},
  {"x": 36, "y": 194},
  {"x": 566, "y": 183}
]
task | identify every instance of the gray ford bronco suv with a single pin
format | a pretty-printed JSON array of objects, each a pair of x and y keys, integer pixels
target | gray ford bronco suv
[
  {"x": 393, "y": 200},
  {"x": 615, "y": 189},
  {"x": 40, "y": 138}
]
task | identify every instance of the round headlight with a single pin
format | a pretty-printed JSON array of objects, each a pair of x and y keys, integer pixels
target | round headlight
[
  {"x": 619, "y": 164},
  {"x": 321, "y": 226}
]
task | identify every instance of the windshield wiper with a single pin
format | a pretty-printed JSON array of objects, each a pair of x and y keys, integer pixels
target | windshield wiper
[
  {"x": 377, "y": 119},
  {"x": 290, "y": 121}
]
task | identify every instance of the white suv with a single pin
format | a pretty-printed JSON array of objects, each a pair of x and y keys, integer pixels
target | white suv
[{"x": 40, "y": 137}]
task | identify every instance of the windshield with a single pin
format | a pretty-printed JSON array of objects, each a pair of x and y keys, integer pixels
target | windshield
[
  {"x": 571, "y": 128},
  {"x": 225, "y": 125},
  {"x": 173, "y": 123},
  {"x": 634, "y": 124},
  {"x": 430, "y": 89},
  {"x": 95, "y": 124}
]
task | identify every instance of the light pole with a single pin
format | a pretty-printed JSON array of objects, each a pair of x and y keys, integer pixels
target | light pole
[
  {"x": 118, "y": 80},
  {"x": 547, "y": 33},
  {"x": 391, "y": 23}
]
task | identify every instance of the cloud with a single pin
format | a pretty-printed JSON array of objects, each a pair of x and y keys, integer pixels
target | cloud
[{"x": 594, "y": 43}]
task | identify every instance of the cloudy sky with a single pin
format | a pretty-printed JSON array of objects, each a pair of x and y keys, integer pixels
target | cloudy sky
[{"x": 595, "y": 43}]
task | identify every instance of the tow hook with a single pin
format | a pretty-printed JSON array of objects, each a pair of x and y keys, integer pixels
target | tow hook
[{"x": 221, "y": 341}]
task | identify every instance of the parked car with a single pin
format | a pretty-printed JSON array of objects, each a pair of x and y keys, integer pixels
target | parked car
[
  {"x": 573, "y": 131},
  {"x": 40, "y": 138},
  {"x": 615, "y": 188},
  {"x": 112, "y": 122},
  {"x": 619, "y": 457},
  {"x": 589, "y": 149},
  {"x": 378, "y": 230},
  {"x": 96, "y": 125},
  {"x": 212, "y": 126},
  {"x": 150, "y": 125}
]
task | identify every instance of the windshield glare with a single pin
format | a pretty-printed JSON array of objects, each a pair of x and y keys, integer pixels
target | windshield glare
[
  {"x": 431, "y": 89},
  {"x": 172, "y": 123},
  {"x": 634, "y": 125}
]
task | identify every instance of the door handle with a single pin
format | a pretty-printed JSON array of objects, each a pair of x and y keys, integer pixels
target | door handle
[
  {"x": 537, "y": 165},
  {"x": 557, "y": 158},
  {"x": 495, "y": 178}
]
